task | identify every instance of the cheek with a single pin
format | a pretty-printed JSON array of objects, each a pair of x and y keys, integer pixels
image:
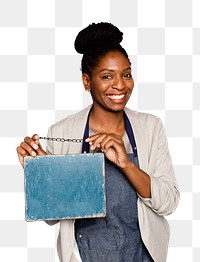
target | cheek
[
  {"x": 131, "y": 85},
  {"x": 94, "y": 92}
]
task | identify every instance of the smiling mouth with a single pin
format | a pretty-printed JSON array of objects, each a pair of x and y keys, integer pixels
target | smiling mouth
[{"x": 116, "y": 97}]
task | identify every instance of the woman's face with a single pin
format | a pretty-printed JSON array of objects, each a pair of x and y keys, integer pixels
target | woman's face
[{"x": 111, "y": 82}]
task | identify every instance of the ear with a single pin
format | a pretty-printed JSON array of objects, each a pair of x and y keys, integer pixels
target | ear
[{"x": 86, "y": 81}]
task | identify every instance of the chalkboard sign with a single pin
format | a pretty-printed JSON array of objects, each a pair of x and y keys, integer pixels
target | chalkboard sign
[{"x": 65, "y": 186}]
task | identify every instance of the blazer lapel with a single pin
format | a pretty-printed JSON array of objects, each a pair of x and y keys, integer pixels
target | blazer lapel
[
  {"x": 141, "y": 143},
  {"x": 78, "y": 129}
]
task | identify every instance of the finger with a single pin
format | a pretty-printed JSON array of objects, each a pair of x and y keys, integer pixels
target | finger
[
  {"x": 32, "y": 146},
  {"x": 36, "y": 138},
  {"x": 99, "y": 140},
  {"x": 113, "y": 137},
  {"x": 39, "y": 149},
  {"x": 96, "y": 142},
  {"x": 26, "y": 150},
  {"x": 21, "y": 151},
  {"x": 109, "y": 143},
  {"x": 31, "y": 142},
  {"x": 93, "y": 137},
  {"x": 21, "y": 155}
]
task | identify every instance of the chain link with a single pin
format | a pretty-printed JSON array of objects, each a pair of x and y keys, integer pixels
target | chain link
[{"x": 73, "y": 140}]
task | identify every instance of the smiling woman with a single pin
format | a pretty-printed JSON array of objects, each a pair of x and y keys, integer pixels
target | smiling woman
[
  {"x": 140, "y": 183},
  {"x": 110, "y": 84}
]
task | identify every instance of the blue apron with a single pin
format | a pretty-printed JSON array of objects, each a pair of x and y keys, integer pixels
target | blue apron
[{"x": 115, "y": 238}]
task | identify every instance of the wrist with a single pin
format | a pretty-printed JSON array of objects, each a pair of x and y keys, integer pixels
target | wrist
[{"x": 126, "y": 166}]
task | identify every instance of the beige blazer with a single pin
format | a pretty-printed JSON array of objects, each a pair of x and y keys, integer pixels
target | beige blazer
[{"x": 154, "y": 159}]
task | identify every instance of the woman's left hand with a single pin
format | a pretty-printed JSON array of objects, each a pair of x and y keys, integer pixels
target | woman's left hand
[{"x": 112, "y": 146}]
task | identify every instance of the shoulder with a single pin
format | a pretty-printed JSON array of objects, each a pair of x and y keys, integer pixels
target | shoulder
[
  {"x": 146, "y": 126},
  {"x": 144, "y": 119},
  {"x": 70, "y": 120}
]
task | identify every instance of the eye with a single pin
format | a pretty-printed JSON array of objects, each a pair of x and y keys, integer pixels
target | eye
[
  {"x": 128, "y": 75},
  {"x": 106, "y": 77}
]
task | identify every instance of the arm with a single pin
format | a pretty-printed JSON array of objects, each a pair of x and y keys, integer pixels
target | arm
[
  {"x": 139, "y": 179},
  {"x": 164, "y": 190},
  {"x": 113, "y": 147},
  {"x": 157, "y": 189}
]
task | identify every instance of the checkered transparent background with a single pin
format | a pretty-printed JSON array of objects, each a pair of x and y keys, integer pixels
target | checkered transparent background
[{"x": 40, "y": 83}]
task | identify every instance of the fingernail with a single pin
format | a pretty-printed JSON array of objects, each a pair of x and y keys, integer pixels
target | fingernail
[
  {"x": 92, "y": 147},
  {"x": 35, "y": 146},
  {"x": 87, "y": 139},
  {"x": 33, "y": 153}
]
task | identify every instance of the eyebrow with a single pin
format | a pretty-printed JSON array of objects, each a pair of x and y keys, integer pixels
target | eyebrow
[{"x": 107, "y": 69}]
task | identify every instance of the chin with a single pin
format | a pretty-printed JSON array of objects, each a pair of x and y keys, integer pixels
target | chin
[{"x": 116, "y": 108}]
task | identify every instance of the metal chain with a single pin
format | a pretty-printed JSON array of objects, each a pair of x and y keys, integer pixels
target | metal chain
[{"x": 73, "y": 140}]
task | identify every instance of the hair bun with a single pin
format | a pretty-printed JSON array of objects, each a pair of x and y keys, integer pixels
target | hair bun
[{"x": 97, "y": 34}]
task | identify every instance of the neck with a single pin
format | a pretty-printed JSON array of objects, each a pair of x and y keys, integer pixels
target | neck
[{"x": 107, "y": 121}]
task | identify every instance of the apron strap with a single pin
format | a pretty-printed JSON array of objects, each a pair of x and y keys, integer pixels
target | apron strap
[
  {"x": 86, "y": 146},
  {"x": 128, "y": 129}
]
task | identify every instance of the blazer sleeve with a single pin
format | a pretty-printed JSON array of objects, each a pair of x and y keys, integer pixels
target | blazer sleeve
[{"x": 164, "y": 190}]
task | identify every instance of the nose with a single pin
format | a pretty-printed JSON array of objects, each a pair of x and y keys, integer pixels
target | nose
[{"x": 118, "y": 83}]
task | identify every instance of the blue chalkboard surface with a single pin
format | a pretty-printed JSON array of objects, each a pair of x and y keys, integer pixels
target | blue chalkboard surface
[{"x": 65, "y": 186}]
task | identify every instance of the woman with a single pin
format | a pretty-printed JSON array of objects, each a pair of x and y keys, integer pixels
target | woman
[{"x": 140, "y": 183}]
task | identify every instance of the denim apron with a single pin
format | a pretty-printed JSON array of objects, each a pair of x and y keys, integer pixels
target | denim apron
[{"x": 115, "y": 238}]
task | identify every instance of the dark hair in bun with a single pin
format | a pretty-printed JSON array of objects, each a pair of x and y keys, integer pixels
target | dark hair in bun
[{"x": 95, "y": 41}]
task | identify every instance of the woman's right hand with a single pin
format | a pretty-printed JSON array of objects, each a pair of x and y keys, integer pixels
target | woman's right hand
[{"x": 29, "y": 147}]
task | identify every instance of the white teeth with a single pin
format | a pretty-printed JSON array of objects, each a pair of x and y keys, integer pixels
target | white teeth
[{"x": 116, "y": 96}]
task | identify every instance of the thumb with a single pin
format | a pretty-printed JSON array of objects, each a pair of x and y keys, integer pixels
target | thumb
[{"x": 21, "y": 159}]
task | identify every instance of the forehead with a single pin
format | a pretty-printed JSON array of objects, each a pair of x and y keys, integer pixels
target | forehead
[{"x": 113, "y": 59}]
